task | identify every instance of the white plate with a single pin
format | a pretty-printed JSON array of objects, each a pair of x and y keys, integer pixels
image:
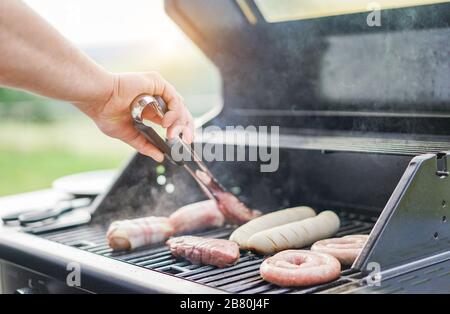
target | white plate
[
  {"x": 86, "y": 183},
  {"x": 37, "y": 200}
]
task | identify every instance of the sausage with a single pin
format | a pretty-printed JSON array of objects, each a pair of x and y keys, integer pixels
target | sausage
[
  {"x": 216, "y": 252},
  {"x": 345, "y": 249},
  {"x": 134, "y": 233},
  {"x": 278, "y": 218},
  {"x": 234, "y": 210},
  {"x": 296, "y": 234},
  {"x": 231, "y": 207},
  {"x": 197, "y": 216},
  {"x": 293, "y": 268}
]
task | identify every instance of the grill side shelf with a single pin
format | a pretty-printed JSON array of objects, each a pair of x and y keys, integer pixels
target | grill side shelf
[{"x": 414, "y": 225}]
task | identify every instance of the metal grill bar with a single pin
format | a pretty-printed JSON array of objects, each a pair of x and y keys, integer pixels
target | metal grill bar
[
  {"x": 241, "y": 278},
  {"x": 352, "y": 143}
]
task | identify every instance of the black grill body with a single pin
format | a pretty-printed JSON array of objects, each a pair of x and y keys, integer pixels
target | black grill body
[{"x": 373, "y": 155}]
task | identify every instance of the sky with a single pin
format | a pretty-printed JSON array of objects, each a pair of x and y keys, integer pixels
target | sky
[{"x": 97, "y": 22}]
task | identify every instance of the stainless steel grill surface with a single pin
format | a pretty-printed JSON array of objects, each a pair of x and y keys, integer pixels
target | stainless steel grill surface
[{"x": 241, "y": 278}]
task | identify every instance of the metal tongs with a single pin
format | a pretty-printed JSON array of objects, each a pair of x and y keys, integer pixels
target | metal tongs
[
  {"x": 29, "y": 217},
  {"x": 193, "y": 164}
]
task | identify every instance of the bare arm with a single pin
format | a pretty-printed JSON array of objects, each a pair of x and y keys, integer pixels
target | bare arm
[{"x": 35, "y": 57}]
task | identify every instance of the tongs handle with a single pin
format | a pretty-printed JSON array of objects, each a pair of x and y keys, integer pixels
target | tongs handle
[
  {"x": 193, "y": 165},
  {"x": 141, "y": 102},
  {"x": 160, "y": 108}
]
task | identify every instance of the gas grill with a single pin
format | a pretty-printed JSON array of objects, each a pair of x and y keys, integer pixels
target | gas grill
[{"x": 364, "y": 116}]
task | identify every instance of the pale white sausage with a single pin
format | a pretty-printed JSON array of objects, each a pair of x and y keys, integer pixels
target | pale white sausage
[
  {"x": 296, "y": 234},
  {"x": 268, "y": 221}
]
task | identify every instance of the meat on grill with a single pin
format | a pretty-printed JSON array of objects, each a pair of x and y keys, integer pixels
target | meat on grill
[
  {"x": 234, "y": 210},
  {"x": 296, "y": 234},
  {"x": 345, "y": 249},
  {"x": 231, "y": 207},
  {"x": 134, "y": 233},
  {"x": 293, "y": 268},
  {"x": 196, "y": 216},
  {"x": 216, "y": 252},
  {"x": 278, "y": 218}
]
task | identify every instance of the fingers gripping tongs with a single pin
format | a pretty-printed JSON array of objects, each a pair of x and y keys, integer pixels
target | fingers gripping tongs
[{"x": 188, "y": 159}]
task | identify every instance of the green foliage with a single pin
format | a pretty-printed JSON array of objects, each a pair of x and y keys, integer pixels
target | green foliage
[
  {"x": 10, "y": 96},
  {"x": 21, "y": 106},
  {"x": 22, "y": 172}
]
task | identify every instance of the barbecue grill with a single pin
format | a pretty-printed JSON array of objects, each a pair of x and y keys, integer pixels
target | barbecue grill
[{"x": 364, "y": 116}]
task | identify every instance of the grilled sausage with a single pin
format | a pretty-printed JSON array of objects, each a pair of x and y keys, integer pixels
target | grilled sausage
[
  {"x": 197, "y": 216},
  {"x": 278, "y": 218},
  {"x": 345, "y": 249},
  {"x": 295, "y": 234},
  {"x": 231, "y": 207},
  {"x": 234, "y": 210},
  {"x": 294, "y": 268},
  {"x": 216, "y": 252},
  {"x": 130, "y": 234}
]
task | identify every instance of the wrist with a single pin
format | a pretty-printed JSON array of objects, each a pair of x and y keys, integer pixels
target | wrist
[{"x": 102, "y": 93}]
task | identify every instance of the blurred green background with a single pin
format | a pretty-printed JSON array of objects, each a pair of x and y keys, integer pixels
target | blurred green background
[{"x": 43, "y": 139}]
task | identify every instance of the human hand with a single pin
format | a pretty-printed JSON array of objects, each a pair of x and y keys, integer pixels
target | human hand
[{"x": 114, "y": 119}]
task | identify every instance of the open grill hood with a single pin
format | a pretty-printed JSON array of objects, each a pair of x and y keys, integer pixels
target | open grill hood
[{"x": 330, "y": 73}]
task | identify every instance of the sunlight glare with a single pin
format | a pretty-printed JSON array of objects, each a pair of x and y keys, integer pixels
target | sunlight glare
[{"x": 88, "y": 22}]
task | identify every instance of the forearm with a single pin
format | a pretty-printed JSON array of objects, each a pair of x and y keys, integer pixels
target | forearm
[{"x": 35, "y": 57}]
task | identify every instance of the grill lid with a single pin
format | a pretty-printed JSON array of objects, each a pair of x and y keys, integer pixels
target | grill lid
[{"x": 329, "y": 73}]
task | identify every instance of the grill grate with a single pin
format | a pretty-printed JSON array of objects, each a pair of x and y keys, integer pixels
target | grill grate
[{"x": 241, "y": 278}]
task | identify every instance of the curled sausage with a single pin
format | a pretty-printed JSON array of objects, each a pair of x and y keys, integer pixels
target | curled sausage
[
  {"x": 293, "y": 268},
  {"x": 345, "y": 249}
]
